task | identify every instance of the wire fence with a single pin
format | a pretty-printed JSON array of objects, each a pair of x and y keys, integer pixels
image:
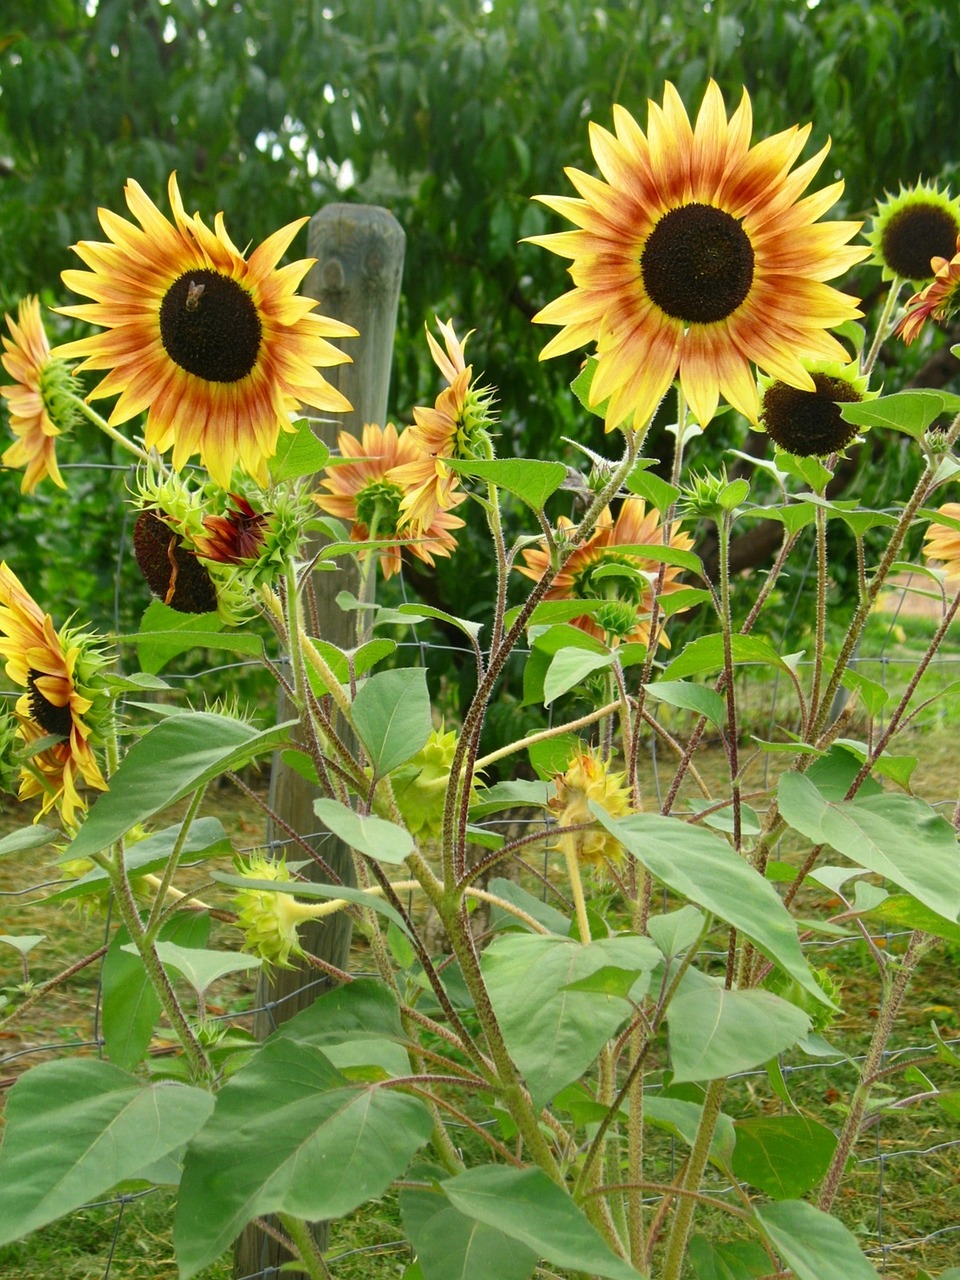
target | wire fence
[{"x": 900, "y": 1150}]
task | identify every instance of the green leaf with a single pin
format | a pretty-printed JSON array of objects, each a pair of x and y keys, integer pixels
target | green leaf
[
  {"x": 690, "y": 697},
  {"x": 418, "y": 612},
  {"x": 728, "y": 1260},
  {"x": 131, "y": 1006},
  {"x": 660, "y": 554},
  {"x": 391, "y": 714},
  {"x": 77, "y": 1128},
  {"x": 570, "y": 667},
  {"x": 901, "y": 911},
  {"x": 873, "y": 695},
  {"x": 554, "y": 1032},
  {"x": 164, "y": 633},
  {"x": 647, "y": 484},
  {"x": 527, "y": 1206},
  {"x": 299, "y": 453},
  {"x": 782, "y": 1156},
  {"x": 206, "y": 839},
  {"x": 528, "y": 479},
  {"x": 290, "y": 1134},
  {"x": 552, "y": 755},
  {"x": 342, "y": 661},
  {"x": 899, "y": 837},
  {"x": 809, "y": 470},
  {"x": 812, "y": 1242},
  {"x": 794, "y": 516},
  {"x": 22, "y": 942},
  {"x": 451, "y": 1246},
  {"x": 541, "y": 911},
  {"x": 362, "y": 1009},
  {"x": 911, "y": 412},
  {"x": 682, "y": 1119},
  {"x": 373, "y": 836},
  {"x": 523, "y": 793},
  {"x": 706, "y": 654},
  {"x": 174, "y": 758},
  {"x": 705, "y": 870},
  {"x": 676, "y": 931},
  {"x": 201, "y": 967},
  {"x": 715, "y": 1032},
  {"x": 580, "y": 387},
  {"x": 29, "y": 837}
]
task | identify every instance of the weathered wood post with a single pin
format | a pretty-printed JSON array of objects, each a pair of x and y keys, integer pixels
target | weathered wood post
[{"x": 359, "y": 251}]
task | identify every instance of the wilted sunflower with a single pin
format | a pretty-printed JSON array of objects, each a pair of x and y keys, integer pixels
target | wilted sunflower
[
  {"x": 56, "y": 670},
  {"x": 38, "y": 400},
  {"x": 696, "y": 257},
  {"x": 218, "y": 348},
  {"x": 941, "y": 543},
  {"x": 606, "y": 568},
  {"x": 367, "y": 493},
  {"x": 940, "y": 300}
]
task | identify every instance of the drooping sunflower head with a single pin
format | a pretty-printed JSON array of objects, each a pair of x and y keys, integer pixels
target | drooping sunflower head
[
  {"x": 939, "y": 300},
  {"x": 911, "y": 228},
  {"x": 612, "y": 574},
  {"x": 63, "y": 710},
  {"x": 941, "y": 543},
  {"x": 368, "y": 491},
  {"x": 695, "y": 256},
  {"x": 588, "y": 777},
  {"x": 809, "y": 423},
  {"x": 218, "y": 348},
  {"x": 41, "y": 399}
]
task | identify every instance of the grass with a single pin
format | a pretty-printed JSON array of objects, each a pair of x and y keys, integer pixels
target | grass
[{"x": 901, "y": 1198}]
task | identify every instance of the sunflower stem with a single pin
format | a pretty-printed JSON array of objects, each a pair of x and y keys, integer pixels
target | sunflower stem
[
  {"x": 103, "y": 425},
  {"x": 166, "y": 880},
  {"x": 883, "y": 325}
]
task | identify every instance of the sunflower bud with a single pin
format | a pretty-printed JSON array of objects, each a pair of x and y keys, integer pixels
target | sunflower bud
[{"x": 270, "y": 920}]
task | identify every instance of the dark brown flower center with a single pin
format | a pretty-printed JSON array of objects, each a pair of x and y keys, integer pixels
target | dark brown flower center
[
  {"x": 171, "y": 571},
  {"x": 209, "y": 326},
  {"x": 697, "y": 264},
  {"x": 57, "y": 721},
  {"x": 915, "y": 234},
  {"x": 808, "y": 423}
]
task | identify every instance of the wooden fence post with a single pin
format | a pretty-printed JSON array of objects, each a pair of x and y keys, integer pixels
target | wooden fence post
[{"x": 356, "y": 279}]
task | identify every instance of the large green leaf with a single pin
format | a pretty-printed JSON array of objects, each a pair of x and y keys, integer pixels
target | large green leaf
[
  {"x": 205, "y": 839},
  {"x": 554, "y": 1032},
  {"x": 782, "y": 1156},
  {"x": 199, "y": 966},
  {"x": 899, "y": 837},
  {"x": 76, "y": 1128},
  {"x": 706, "y": 654},
  {"x": 358, "y": 1009},
  {"x": 29, "y": 837},
  {"x": 391, "y": 714},
  {"x": 911, "y": 412},
  {"x": 812, "y": 1242},
  {"x": 571, "y": 667},
  {"x": 528, "y": 479},
  {"x": 166, "y": 632},
  {"x": 704, "y": 869},
  {"x": 525, "y": 1205},
  {"x": 371, "y": 835},
  {"x": 451, "y": 1246},
  {"x": 174, "y": 758},
  {"x": 691, "y": 697},
  {"x": 290, "y": 1134},
  {"x": 715, "y": 1032}
]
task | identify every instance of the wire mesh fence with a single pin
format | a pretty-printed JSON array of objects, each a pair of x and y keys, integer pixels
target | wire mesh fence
[{"x": 907, "y": 1156}]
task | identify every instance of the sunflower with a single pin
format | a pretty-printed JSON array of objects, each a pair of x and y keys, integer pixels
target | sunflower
[
  {"x": 589, "y": 778},
  {"x": 218, "y": 348},
  {"x": 940, "y": 300},
  {"x": 38, "y": 400},
  {"x": 367, "y": 493},
  {"x": 941, "y": 543},
  {"x": 57, "y": 671},
  {"x": 809, "y": 423},
  {"x": 606, "y": 569},
  {"x": 695, "y": 256},
  {"x": 457, "y": 426},
  {"x": 911, "y": 228}
]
